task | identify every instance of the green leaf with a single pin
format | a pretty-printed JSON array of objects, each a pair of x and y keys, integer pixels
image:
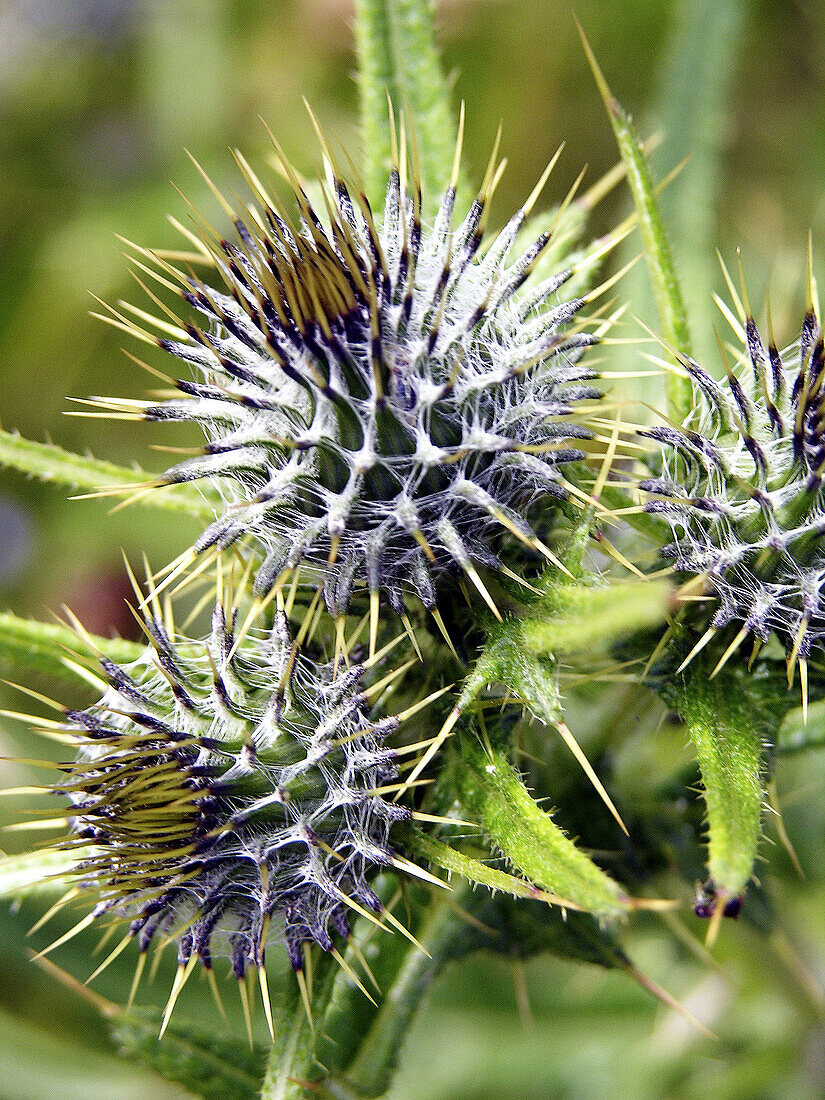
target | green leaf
[
  {"x": 492, "y": 793},
  {"x": 567, "y": 619},
  {"x": 211, "y": 1066},
  {"x": 43, "y": 647},
  {"x": 81, "y": 472},
  {"x": 797, "y": 735},
  {"x": 36, "y": 872},
  {"x": 666, "y": 290},
  {"x": 397, "y": 54}
]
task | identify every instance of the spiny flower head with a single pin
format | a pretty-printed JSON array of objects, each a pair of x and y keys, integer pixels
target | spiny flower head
[
  {"x": 383, "y": 399},
  {"x": 219, "y": 791},
  {"x": 741, "y": 486}
]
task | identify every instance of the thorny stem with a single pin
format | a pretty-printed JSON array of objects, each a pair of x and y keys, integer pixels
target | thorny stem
[
  {"x": 397, "y": 55},
  {"x": 372, "y": 1068}
]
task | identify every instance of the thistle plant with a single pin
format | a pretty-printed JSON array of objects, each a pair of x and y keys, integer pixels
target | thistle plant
[
  {"x": 739, "y": 486},
  {"x": 424, "y": 550}
]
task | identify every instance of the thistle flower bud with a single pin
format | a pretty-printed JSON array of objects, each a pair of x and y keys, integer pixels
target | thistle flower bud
[
  {"x": 741, "y": 486},
  {"x": 383, "y": 399},
  {"x": 219, "y": 791}
]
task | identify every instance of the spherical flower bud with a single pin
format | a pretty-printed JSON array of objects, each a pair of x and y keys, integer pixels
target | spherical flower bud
[
  {"x": 741, "y": 486},
  {"x": 383, "y": 399},
  {"x": 221, "y": 789}
]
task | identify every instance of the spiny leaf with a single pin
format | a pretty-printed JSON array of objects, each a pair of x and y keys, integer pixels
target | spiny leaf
[
  {"x": 566, "y": 620},
  {"x": 666, "y": 290},
  {"x": 51, "y": 463},
  {"x": 35, "y": 872},
  {"x": 397, "y": 54},
  {"x": 492, "y": 793},
  {"x": 651, "y": 527},
  {"x": 728, "y": 728},
  {"x": 43, "y": 647},
  {"x": 211, "y": 1066}
]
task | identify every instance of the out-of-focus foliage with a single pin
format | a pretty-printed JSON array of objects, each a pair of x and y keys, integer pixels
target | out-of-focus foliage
[{"x": 97, "y": 100}]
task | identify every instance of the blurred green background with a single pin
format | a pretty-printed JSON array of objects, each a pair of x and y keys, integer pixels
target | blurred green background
[{"x": 98, "y": 99}]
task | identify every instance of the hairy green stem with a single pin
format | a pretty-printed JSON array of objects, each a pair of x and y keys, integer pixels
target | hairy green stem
[
  {"x": 728, "y": 737},
  {"x": 397, "y": 55},
  {"x": 492, "y": 793}
]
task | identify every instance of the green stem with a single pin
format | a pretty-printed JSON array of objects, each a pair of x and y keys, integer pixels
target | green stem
[
  {"x": 372, "y": 1068},
  {"x": 397, "y": 54},
  {"x": 292, "y": 1070}
]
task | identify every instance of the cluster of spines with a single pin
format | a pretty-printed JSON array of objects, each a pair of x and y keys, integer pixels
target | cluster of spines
[
  {"x": 741, "y": 486},
  {"x": 383, "y": 404}
]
